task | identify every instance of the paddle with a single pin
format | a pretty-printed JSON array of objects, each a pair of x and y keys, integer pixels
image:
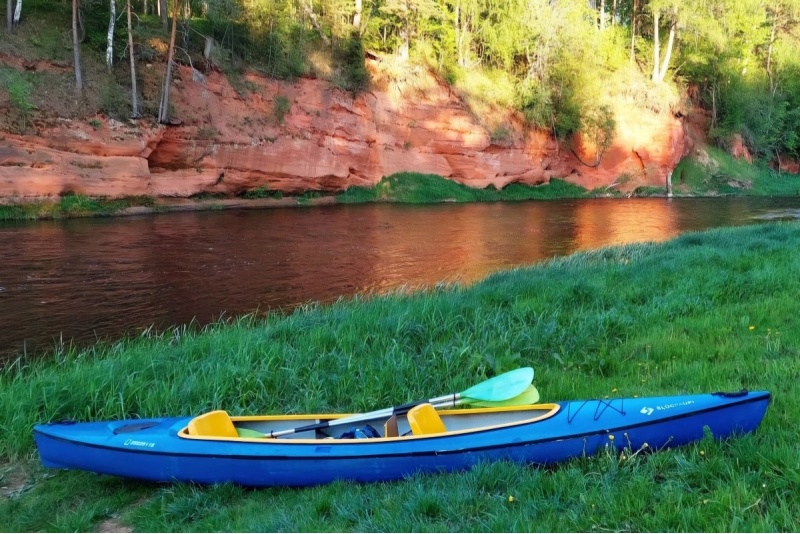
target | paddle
[
  {"x": 496, "y": 389},
  {"x": 529, "y": 396}
]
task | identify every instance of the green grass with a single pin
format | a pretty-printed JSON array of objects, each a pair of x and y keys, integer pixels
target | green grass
[
  {"x": 707, "y": 311},
  {"x": 415, "y": 188},
  {"x": 723, "y": 174},
  {"x": 72, "y": 205}
]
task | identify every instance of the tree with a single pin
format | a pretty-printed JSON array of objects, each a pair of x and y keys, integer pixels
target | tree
[
  {"x": 633, "y": 31},
  {"x": 76, "y": 47},
  {"x": 134, "y": 96},
  {"x": 659, "y": 66},
  {"x": 308, "y": 9},
  {"x": 784, "y": 16},
  {"x": 162, "y": 11},
  {"x": 17, "y": 12},
  {"x": 163, "y": 109},
  {"x": 112, "y": 20},
  {"x": 406, "y": 15},
  {"x": 9, "y": 14}
]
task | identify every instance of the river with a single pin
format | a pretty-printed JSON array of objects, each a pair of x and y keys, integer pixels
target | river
[{"x": 102, "y": 278}]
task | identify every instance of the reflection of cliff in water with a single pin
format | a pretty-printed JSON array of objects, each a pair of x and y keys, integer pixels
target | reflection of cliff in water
[{"x": 94, "y": 279}]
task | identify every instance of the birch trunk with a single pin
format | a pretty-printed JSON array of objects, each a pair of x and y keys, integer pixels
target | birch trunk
[
  {"x": 602, "y": 15},
  {"x": 633, "y": 33},
  {"x": 18, "y": 12},
  {"x": 668, "y": 54},
  {"x": 9, "y": 14},
  {"x": 134, "y": 95},
  {"x": 357, "y": 15},
  {"x": 772, "y": 38},
  {"x": 76, "y": 47},
  {"x": 308, "y": 9},
  {"x": 111, "y": 22},
  {"x": 656, "y": 46},
  {"x": 163, "y": 109}
]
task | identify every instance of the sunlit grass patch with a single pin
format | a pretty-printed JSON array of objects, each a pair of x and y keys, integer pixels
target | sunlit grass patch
[{"x": 415, "y": 188}]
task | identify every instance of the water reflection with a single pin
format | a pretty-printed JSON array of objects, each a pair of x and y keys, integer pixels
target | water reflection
[{"x": 102, "y": 278}]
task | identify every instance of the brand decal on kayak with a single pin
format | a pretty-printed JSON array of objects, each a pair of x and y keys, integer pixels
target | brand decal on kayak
[
  {"x": 135, "y": 443},
  {"x": 649, "y": 411}
]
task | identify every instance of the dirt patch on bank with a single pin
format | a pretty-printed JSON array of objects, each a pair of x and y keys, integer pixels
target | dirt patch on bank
[{"x": 14, "y": 479}]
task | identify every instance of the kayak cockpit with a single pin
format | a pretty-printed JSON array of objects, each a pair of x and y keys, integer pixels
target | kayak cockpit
[{"x": 423, "y": 420}]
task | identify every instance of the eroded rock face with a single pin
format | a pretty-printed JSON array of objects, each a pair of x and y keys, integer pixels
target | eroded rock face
[{"x": 307, "y": 136}]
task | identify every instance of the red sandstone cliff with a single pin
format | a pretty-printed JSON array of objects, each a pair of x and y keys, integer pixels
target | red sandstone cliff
[{"x": 327, "y": 140}]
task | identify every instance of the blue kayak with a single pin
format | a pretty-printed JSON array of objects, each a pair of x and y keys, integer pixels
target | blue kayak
[{"x": 216, "y": 448}]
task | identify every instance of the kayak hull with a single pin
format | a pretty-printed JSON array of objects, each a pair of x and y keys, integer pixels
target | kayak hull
[{"x": 159, "y": 449}]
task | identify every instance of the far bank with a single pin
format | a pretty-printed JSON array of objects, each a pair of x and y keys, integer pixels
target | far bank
[{"x": 713, "y": 174}]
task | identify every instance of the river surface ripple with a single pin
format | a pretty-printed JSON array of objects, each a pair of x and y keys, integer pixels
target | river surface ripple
[{"x": 102, "y": 278}]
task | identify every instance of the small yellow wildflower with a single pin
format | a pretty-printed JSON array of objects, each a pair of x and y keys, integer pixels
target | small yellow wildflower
[
  {"x": 751, "y": 327},
  {"x": 702, "y": 453},
  {"x": 614, "y": 390},
  {"x": 645, "y": 445},
  {"x": 611, "y": 437},
  {"x": 511, "y": 498}
]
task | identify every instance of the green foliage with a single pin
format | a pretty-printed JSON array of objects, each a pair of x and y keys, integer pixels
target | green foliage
[
  {"x": 719, "y": 173},
  {"x": 354, "y": 76},
  {"x": 280, "y": 108},
  {"x": 414, "y": 188},
  {"x": 19, "y": 93},
  {"x": 261, "y": 191}
]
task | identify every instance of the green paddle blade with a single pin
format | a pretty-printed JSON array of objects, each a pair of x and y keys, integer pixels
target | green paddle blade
[
  {"x": 501, "y": 387},
  {"x": 529, "y": 396}
]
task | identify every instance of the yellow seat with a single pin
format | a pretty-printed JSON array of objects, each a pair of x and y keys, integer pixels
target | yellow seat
[
  {"x": 215, "y": 424},
  {"x": 423, "y": 419}
]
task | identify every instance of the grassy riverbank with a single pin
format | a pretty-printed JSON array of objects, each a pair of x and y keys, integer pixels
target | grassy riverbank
[
  {"x": 410, "y": 188},
  {"x": 709, "y": 311},
  {"x": 720, "y": 175}
]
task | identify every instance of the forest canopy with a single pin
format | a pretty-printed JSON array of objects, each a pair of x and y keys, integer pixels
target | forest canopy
[{"x": 561, "y": 63}]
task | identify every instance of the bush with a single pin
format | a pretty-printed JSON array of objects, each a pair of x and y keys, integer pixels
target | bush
[{"x": 354, "y": 75}]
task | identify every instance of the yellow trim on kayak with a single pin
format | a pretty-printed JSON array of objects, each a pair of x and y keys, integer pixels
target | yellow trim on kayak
[{"x": 550, "y": 411}]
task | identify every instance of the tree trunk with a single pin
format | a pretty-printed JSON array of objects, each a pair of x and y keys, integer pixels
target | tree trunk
[
  {"x": 633, "y": 33},
  {"x": 614, "y": 13},
  {"x": 772, "y": 37},
  {"x": 357, "y": 15},
  {"x": 308, "y": 9},
  {"x": 668, "y": 54},
  {"x": 76, "y": 47},
  {"x": 602, "y": 15},
  {"x": 111, "y": 22},
  {"x": 163, "y": 109},
  {"x": 459, "y": 54},
  {"x": 17, "y": 12},
  {"x": 134, "y": 95},
  {"x": 405, "y": 46},
  {"x": 9, "y": 14},
  {"x": 656, "y": 46},
  {"x": 162, "y": 10}
]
